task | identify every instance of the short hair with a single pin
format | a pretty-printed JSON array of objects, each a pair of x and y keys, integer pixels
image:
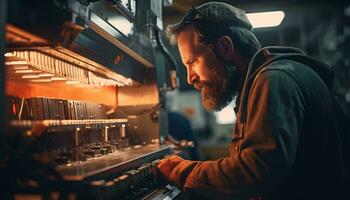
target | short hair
[{"x": 245, "y": 41}]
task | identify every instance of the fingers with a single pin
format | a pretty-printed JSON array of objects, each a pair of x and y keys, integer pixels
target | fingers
[{"x": 165, "y": 166}]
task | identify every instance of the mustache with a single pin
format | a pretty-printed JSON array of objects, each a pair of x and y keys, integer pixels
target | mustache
[{"x": 199, "y": 85}]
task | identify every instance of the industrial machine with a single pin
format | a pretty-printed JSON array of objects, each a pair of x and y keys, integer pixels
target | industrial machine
[{"x": 84, "y": 110}]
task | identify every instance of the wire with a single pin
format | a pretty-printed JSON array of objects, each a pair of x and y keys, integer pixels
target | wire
[{"x": 21, "y": 109}]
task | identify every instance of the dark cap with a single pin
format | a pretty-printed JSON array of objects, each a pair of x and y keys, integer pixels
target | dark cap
[{"x": 216, "y": 12}]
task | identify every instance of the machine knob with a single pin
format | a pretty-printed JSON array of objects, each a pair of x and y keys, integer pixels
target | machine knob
[
  {"x": 148, "y": 168},
  {"x": 133, "y": 177},
  {"x": 98, "y": 189},
  {"x": 89, "y": 153},
  {"x": 110, "y": 188},
  {"x": 109, "y": 148},
  {"x": 104, "y": 151},
  {"x": 144, "y": 169},
  {"x": 122, "y": 183},
  {"x": 116, "y": 185}
]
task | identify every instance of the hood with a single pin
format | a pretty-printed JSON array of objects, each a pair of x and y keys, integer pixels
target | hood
[{"x": 267, "y": 55}]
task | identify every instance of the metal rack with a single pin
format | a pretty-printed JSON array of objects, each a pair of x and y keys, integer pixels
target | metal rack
[{"x": 45, "y": 64}]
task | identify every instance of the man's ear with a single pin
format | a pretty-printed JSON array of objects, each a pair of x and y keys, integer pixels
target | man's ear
[{"x": 225, "y": 47}]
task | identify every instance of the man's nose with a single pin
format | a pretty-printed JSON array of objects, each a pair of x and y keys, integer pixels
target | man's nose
[{"x": 192, "y": 77}]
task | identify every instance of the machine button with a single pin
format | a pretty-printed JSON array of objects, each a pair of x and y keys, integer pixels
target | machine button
[
  {"x": 109, "y": 188},
  {"x": 109, "y": 148},
  {"x": 104, "y": 151},
  {"x": 97, "y": 188},
  {"x": 123, "y": 182},
  {"x": 89, "y": 153}
]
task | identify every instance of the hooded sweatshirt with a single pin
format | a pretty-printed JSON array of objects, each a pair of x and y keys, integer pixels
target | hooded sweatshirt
[{"x": 284, "y": 144}]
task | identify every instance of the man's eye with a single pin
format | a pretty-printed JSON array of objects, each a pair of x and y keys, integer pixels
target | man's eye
[{"x": 191, "y": 62}]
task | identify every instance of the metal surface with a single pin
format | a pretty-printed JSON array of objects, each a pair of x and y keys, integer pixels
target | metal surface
[
  {"x": 59, "y": 62},
  {"x": 67, "y": 124},
  {"x": 88, "y": 103},
  {"x": 167, "y": 192},
  {"x": 114, "y": 163},
  {"x": 92, "y": 45},
  {"x": 113, "y": 15},
  {"x": 111, "y": 35},
  {"x": 106, "y": 38},
  {"x": 125, "y": 9}
]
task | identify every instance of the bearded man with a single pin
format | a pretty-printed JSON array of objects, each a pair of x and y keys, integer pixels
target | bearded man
[{"x": 284, "y": 144}]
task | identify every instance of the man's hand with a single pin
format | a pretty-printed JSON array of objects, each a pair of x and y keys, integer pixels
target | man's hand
[
  {"x": 165, "y": 166},
  {"x": 176, "y": 170}
]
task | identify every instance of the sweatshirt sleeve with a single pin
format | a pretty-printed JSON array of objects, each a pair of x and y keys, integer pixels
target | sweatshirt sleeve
[{"x": 265, "y": 151}]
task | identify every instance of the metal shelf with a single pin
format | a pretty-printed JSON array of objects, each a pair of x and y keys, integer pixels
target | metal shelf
[
  {"x": 67, "y": 124},
  {"x": 46, "y": 64}
]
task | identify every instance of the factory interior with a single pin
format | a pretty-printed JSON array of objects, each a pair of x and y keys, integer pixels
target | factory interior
[{"x": 98, "y": 103}]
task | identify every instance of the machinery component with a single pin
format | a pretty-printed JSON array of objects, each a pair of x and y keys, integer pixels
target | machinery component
[
  {"x": 85, "y": 110},
  {"x": 173, "y": 72},
  {"x": 44, "y": 64}
]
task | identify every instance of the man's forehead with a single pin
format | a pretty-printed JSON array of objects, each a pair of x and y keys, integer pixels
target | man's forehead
[
  {"x": 188, "y": 36},
  {"x": 188, "y": 43}
]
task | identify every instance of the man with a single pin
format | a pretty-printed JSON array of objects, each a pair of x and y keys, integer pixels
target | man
[{"x": 285, "y": 141}]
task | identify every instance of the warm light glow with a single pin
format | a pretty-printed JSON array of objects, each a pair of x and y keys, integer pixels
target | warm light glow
[
  {"x": 58, "y": 79},
  {"x": 30, "y": 76},
  {"x": 8, "y": 54},
  {"x": 45, "y": 75},
  {"x": 122, "y": 24},
  {"x": 20, "y": 67},
  {"x": 16, "y": 62},
  {"x": 120, "y": 84},
  {"x": 41, "y": 80},
  {"x": 128, "y": 82},
  {"x": 72, "y": 82},
  {"x": 24, "y": 71},
  {"x": 266, "y": 19}
]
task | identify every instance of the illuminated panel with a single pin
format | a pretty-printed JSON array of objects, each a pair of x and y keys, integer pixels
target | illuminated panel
[{"x": 266, "y": 19}]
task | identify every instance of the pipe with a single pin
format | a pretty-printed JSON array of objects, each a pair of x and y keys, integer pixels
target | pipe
[{"x": 173, "y": 65}]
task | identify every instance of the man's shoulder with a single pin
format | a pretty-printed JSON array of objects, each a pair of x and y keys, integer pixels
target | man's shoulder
[
  {"x": 286, "y": 65},
  {"x": 290, "y": 73}
]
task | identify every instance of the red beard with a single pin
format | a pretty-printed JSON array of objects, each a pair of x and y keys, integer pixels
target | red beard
[{"x": 215, "y": 93}]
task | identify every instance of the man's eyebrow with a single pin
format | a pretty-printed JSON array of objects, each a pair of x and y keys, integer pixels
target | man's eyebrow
[{"x": 189, "y": 60}]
